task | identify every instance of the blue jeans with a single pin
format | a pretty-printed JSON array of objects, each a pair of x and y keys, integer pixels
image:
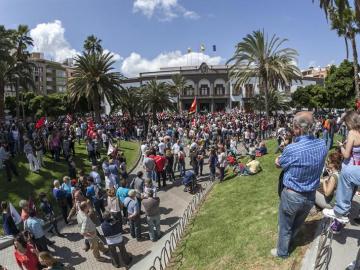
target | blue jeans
[
  {"x": 293, "y": 210},
  {"x": 154, "y": 227},
  {"x": 349, "y": 178}
]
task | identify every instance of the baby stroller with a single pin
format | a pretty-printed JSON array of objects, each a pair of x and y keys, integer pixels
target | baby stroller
[{"x": 189, "y": 181}]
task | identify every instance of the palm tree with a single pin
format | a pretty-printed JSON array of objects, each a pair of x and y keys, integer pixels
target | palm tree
[
  {"x": 278, "y": 101},
  {"x": 5, "y": 64},
  {"x": 92, "y": 45},
  {"x": 131, "y": 102},
  {"x": 23, "y": 69},
  {"x": 178, "y": 86},
  {"x": 342, "y": 5},
  {"x": 264, "y": 59},
  {"x": 95, "y": 79},
  {"x": 345, "y": 21},
  {"x": 157, "y": 97}
]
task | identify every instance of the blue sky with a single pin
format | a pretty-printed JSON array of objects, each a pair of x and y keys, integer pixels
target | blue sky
[{"x": 147, "y": 34}]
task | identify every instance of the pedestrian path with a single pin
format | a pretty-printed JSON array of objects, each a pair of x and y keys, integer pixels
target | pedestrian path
[
  {"x": 346, "y": 244},
  {"x": 173, "y": 202}
]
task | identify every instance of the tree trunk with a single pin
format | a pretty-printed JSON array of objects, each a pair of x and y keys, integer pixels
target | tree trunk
[
  {"x": 179, "y": 106},
  {"x": 96, "y": 107},
  {"x": 17, "y": 100},
  {"x": 347, "y": 48},
  {"x": 266, "y": 88},
  {"x": 22, "y": 106},
  {"x": 356, "y": 66},
  {"x": 2, "y": 101}
]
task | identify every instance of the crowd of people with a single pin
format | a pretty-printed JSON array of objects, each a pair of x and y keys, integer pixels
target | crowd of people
[{"x": 106, "y": 199}]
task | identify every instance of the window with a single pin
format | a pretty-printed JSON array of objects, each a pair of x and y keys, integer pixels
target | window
[
  {"x": 219, "y": 90},
  {"x": 49, "y": 79},
  {"x": 236, "y": 91},
  {"x": 204, "y": 90},
  {"x": 189, "y": 91},
  {"x": 249, "y": 91},
  {"x": 60, "y": 73}
]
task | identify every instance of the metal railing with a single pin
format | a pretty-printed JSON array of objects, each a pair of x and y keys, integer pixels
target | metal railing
[
  {"x": 160, "y": 262},
  {"x": 324, "y": 253}
]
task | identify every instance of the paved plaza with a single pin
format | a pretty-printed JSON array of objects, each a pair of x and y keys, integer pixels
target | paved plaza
[{"x": 173, "y": 202}]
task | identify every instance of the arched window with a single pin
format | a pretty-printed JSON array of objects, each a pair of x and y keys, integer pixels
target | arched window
[{"x": 204, "y": 87}]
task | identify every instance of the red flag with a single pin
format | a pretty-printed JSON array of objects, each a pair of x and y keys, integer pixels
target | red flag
[
  {"x": 40, "y": 122},
  {"x": 357, "y": 102},
  {"x": 193, "y": 106}
]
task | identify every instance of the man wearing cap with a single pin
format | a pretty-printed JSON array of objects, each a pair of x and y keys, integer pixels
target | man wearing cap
[
  {"x": 152, "y": 211},
  {"x": 302, "y": 163}
]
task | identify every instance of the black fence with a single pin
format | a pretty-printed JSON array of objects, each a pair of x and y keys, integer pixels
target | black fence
[{"x": 160, "y": 262}]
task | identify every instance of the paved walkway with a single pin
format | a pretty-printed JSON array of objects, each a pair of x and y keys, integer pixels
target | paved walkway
[
  {"x": 69, "y": 249},
  {"x": 346, "y": 244}
]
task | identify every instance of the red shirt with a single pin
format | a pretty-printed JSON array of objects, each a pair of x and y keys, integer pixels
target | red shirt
[
  {"x": 160, "y": 162},
  {"x": 29, "y": 260}
]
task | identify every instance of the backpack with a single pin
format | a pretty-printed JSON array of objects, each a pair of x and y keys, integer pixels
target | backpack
[{"x": 99, "y": 192}]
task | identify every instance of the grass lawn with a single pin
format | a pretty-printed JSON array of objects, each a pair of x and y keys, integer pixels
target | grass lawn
[
  {"x": 237, "y": 226},
  {"x": 29, "y": 183}
]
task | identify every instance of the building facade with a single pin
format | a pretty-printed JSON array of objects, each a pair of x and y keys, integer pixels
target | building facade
[
  {"x": 49, "y": 76},
  {"x": 211, "y": 86}
]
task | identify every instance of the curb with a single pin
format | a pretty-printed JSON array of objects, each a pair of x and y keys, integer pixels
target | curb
[
  {"x": 137, "y": 162},
  {"x": 308, "y": 262}
]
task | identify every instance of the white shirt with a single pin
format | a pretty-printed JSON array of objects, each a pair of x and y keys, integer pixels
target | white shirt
[
  {"x": 104, "y": 137},
  {"x": 143, "y": 148},
  {"x": 176, "y": 148},
  {"x": 78, "y": 131},
  {"x": 161, "y": 147}
]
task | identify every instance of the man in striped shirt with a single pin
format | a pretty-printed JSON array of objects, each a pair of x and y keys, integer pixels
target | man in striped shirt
[{"x": 302, "y": 162}]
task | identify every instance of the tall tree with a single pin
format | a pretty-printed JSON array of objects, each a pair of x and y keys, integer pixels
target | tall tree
[
  {"x": 95, "y": 79},
  {"x": 178, "y": 86},
  {"x": 338, "y": 91},
  {"x": 157, "y": 97},
  {"x": 23, "y": 69},
  {"x": 6, "y": 62},
  {"x": 264, "y": 59},
  {"x": 278, "y": 101},
  {"x": 344, "y": 22},
  {"x": 131, "y": 101},
  {"x": 92, "y": 45}
]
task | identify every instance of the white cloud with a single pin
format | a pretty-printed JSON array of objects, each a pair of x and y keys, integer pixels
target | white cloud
[
  {"x": 191, "y": 15},
  {"x": 135, "y": 63},
  {"x": 49, "y": 38},
  {"x": 165, "y": 9},
  {"x": 116, "y": 57}
]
